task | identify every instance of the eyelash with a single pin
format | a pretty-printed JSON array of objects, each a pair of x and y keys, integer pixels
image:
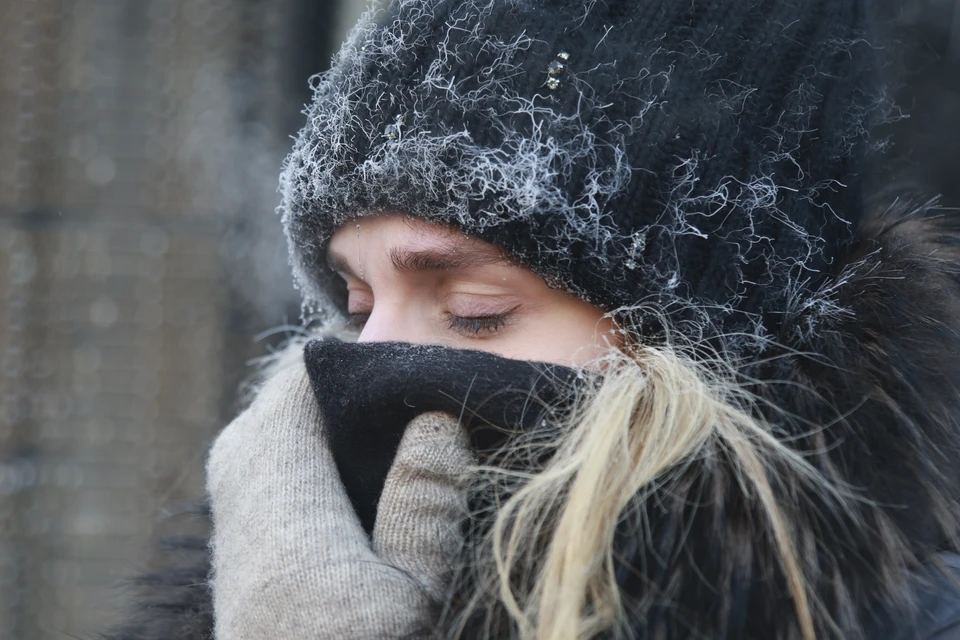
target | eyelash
[
  {"x": 475, "y": 325},
  {"x": 469, "y": 326}
]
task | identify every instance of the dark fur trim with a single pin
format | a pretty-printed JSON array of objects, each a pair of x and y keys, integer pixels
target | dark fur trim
[
  {"x": 173, "y": 601},
  {"x": 874, "y": 394}
]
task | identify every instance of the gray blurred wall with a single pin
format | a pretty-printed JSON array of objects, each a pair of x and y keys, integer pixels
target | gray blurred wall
[{"x": 140, "y": 142}]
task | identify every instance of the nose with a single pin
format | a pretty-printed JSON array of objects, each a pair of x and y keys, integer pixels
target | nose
[{"x": 388, "y": 323}]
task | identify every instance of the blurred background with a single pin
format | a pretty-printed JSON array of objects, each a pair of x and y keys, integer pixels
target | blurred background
[
  {"x": 142, "y": 266},
  {"x": 140, "y": 256}
]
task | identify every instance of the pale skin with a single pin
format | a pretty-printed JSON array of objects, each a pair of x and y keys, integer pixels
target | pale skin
[{"x": 414, "y": 281}]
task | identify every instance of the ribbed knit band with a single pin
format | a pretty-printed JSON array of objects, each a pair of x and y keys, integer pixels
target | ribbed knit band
[{"x": 701, "y": 155}]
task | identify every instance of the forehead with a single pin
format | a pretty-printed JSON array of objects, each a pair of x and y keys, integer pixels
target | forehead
[{"x": 399, "y": 230}]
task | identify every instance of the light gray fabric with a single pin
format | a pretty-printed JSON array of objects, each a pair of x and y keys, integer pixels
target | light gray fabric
[{"x": 290, "y": 559}]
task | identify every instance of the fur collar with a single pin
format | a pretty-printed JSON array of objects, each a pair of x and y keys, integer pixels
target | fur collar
[{"x": 865, "y": 386}]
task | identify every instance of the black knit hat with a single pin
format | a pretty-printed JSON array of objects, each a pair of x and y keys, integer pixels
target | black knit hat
[{"x": 699, "y": 156}]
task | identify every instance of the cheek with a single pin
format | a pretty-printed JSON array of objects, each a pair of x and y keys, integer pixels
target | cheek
[{"x": 567, "y": 335}]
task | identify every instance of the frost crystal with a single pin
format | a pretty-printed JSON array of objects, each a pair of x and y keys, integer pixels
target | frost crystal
[{"x": 478, "y": 146}]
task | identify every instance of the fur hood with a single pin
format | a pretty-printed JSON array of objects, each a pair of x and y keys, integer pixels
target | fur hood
[{"x": 865, "y": 386}]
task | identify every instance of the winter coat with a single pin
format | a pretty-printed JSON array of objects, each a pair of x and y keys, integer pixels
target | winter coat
[{"x": 888, "y": 362}]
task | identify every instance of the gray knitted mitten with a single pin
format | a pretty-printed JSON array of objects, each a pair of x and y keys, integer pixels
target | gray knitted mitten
[{"x": 290, "y": 559}]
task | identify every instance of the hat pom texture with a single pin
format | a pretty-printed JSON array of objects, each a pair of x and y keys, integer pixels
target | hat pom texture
[{"x": 696, "y": 157}]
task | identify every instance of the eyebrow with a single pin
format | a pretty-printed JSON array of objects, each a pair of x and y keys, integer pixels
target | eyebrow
[{"x": 407, "y": 261}]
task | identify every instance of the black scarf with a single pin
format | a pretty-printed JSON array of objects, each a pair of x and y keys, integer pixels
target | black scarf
[{"x": 369, "y": 392}]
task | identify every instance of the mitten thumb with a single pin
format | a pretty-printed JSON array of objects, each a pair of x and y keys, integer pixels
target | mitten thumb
[{"x": 423, "y": 505}]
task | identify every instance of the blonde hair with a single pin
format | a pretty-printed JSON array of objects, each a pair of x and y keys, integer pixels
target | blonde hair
[{"x": 656, "y": 412}]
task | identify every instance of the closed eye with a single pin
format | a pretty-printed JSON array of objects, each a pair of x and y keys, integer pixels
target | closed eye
[{"x": 474, "y": 326}]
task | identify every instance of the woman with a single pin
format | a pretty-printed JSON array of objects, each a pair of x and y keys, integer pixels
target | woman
[{"x": 636, "y": 356}]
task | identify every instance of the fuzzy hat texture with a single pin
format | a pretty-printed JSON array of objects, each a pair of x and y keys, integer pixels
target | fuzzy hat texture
[{"x": 698, "y": 158}]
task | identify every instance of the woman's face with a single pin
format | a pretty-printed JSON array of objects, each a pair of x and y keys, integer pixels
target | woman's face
[{"x": 413, "y": 281}]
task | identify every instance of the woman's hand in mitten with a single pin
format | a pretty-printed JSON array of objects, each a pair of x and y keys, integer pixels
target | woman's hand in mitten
[{"x": 290, "y": 557}]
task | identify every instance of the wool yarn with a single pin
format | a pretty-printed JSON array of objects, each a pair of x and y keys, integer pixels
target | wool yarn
[{"x": 701, "y": 158}]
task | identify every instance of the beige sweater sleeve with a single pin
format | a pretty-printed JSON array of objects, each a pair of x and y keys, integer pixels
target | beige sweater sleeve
[{"x": 290, "y": 559}]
